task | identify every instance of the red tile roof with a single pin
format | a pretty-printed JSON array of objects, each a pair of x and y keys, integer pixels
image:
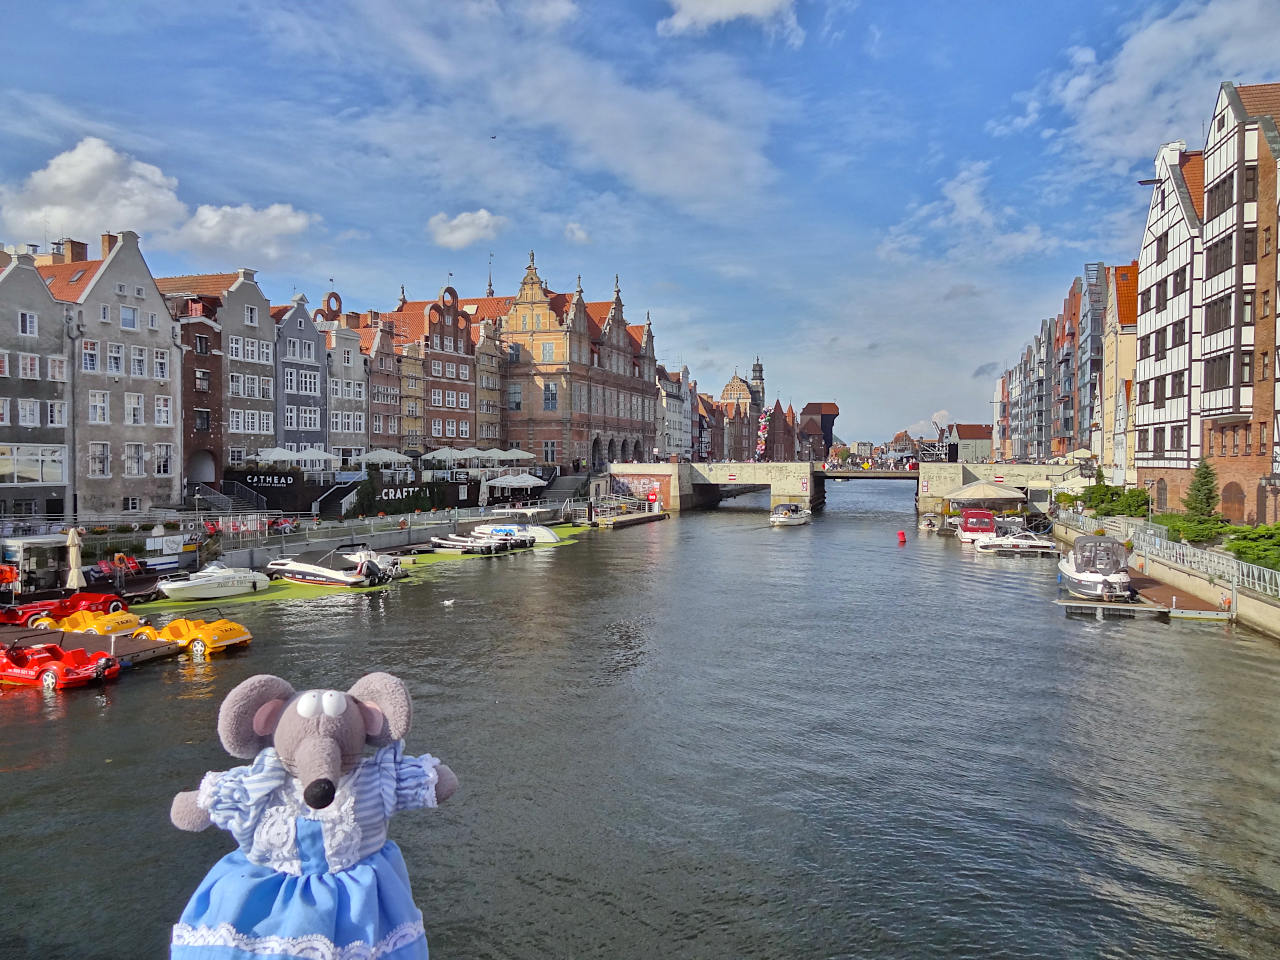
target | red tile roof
[
  {"x": 972, "y": 431},
  {"x": 199, "y": 284},
  {"x": 1125, "y": 279},
  {"x": 636, "y": 331},
  {"x": 58, "y": 277},
  {"x": 1192, "y": 166},
  {"x": 277, "y": 313},
  {"x": 818, "y": 409},
  {"x": 1261, "y": 99}
]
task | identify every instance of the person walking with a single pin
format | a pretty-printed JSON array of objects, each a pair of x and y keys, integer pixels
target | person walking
[{"x": 120, "y": 566}]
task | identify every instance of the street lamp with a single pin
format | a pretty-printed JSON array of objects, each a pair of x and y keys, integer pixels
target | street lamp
[
  {"x": 1149, "y": 484},
  {"x": 198, "y": 528}
]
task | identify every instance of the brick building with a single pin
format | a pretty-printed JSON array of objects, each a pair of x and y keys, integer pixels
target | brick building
[{"x": 204, "y": 449}]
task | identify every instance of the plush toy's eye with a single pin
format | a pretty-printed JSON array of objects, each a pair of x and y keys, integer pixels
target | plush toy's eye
[
  {"x": 335, "y": 703},
  {"x": 309, "y": 704}
]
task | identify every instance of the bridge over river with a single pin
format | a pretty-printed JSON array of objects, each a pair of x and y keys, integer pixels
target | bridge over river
[{"x": 687, "y": 486}]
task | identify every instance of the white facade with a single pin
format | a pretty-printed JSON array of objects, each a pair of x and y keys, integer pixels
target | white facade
[
  {"x": 1168, "y": 375},
  {"x": 674, "y": 433}
]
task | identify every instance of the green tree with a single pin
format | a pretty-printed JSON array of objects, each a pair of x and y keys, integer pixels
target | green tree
[
  {"x": 1202, "y": 496},
  {"x": 1098, "y": 478}
]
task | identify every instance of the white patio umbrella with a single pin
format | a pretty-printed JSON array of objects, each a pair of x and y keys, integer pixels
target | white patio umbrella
[
  {"x": 470, "y": 452},
  {"x": 315, "y": 453},
  {"x": 443, "y": 455},
  {"x": 75, "y": 576},
  {"x": 385, "y": 456},
  {"x": 489, "y": 455},
  {"x": 274, "y": 455},
  {"x": 524, "y": 481},
  {"x": 519, "y": 455}
]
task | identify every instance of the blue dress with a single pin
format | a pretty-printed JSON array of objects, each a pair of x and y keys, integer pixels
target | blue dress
[{"x": 309, "y": 884}]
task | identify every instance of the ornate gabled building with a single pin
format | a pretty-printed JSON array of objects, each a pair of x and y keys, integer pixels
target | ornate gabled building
[
  {"x": 347, "y": 371},
  {"x": 579, "y": 379},
  {"x": 302, "y": 409}
]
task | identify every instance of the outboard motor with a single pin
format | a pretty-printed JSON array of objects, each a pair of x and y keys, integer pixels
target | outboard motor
[{"x": 371, "y": 572}]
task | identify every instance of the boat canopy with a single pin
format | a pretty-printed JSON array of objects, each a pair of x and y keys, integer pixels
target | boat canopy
[
  {"x": 787, "y": 508},
  {"x": 1104, "y": 555}
]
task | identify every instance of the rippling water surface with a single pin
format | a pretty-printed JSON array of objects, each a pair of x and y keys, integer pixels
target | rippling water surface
[{"x": 707, "y": 738}]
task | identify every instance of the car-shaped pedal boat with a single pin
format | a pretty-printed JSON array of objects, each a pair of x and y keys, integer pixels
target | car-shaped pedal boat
[
  {"x": 25, "y": 614},
  {"x": 48, "y": 666},
  {"x": 200, "y": 637},
  {"x": 88, "y": 621}
]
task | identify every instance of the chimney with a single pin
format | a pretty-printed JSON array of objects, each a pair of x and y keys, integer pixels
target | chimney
[
  {"x": 109, "y": 241},
  {"x": 74, "y": 251},
  {"x": 33, "y": 248},
  {"x": 352, "y": 320},
  {"x": 244, "y": 273}
]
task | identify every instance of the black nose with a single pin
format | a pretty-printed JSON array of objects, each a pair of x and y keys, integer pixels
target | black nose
[{"x": 319, "y": 794}]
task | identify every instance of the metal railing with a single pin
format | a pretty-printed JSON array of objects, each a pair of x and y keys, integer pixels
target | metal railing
[
  {"x": 1152, "y": 540},
  {"x": 238, "y": 491}
]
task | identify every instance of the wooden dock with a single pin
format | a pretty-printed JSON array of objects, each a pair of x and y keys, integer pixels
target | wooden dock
[
  {"x": 1154, "y": 600},
  {"x": 122, "y": 646},
  {"x": 630, "y": 519}
]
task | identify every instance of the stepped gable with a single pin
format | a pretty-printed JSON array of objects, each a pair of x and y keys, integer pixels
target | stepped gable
[{"x": 69, "y": 281}]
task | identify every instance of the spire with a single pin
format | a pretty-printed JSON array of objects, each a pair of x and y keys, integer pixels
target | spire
[
  {"x": 617, "y": 290},
  {"x": 488, "y": 291},
  {"x": 648, "y": 324},
  {"x": 579, "y": 291}
]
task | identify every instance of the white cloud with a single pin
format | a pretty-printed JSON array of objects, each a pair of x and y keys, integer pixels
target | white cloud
[
  {"x": 925, "y": 428},
  {"x": 576, "y": 233},
  {"x": 90, "y": 189},
  {"x": 261, "y": 236},
  {"x": 93, "y": 188},
  {"x": 964, "y": 226},
  {"x": 548, "y": 13},
  {"x": 778, "y": 17},
  {"x": 464, "y": 229},
  {"x": 1158, "y": 86}
]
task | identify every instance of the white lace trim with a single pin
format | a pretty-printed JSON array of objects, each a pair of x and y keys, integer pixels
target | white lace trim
[
  {"x": 204, "y": 796},
  {"x": 275, "y": 840},
  {"x": 311, "y": 947}
]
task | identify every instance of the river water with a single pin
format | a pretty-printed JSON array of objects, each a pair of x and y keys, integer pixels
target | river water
[{"x": 708, "y": 738}]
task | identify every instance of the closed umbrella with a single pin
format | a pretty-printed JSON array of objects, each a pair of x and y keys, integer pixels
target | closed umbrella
[{"x": 75, "y": 576}]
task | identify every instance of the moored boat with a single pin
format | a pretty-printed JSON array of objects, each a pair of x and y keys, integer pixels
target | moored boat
[
  {"x": 539, "y": 533},
  {"x": 1022, "y": 544},
  {"x": 359, "y": 553},
  {"x": 789, "y": 515},
  {"x": 976, "y": 525},
  {"x": 929, "y": 523},
  {"x": 1096, "y": 568},
  {"x": 212, "y": 581},
  {"x": 327, "y": 568}
]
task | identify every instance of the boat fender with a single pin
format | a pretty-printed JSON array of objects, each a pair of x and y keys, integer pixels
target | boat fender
[{"x": 253, "y": 586}]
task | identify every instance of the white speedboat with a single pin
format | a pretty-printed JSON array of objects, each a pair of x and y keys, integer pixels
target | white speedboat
[
  {"x": 1096, "y": 568},
  {"x": 1023, "y": 544},
  {"x": 539, "y": 533},
  {"x": 327, "y": 568},
  {"x": 929, "y": 523},
  {"x": 976, "y": 525},
  {"x": 789, "y": 515},
  {"x": 358, "y": 553},
  {"x": 212, "y": 581}
]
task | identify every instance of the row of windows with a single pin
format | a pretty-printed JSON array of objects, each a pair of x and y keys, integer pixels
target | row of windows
[
  {"x": 250, "y": 421},
  {"x": 393, "y": 424},
  {"x": 1236, "y": 434},
  {"x": 304, "y": 350},
  {"x": 28, "y": 413},
  {"x": 301, "y": 418},
  {"x": 1217, "y": 313},
  {"x": 134, "y": 409},
  {"x": 1163, "y": 291},
  {"x": 346, "y": 389},
  {"x": 346, "y": 421},
  {"x": 305, "y": 382},
  {"x": 92, "y": 360},
  {"x": 134, "y": 460},
  {"x": 1217, "y": 370},
  {"x": 29, "y": 367},
  {"x": 23, "y": 464},
  {"x": 1154, "y": 391},
  {"x": 250, "y": 350},
  {"x": 1153, "y": 441},
  {"x": 251, "y": 386},
  {"x": 450, "y": 398},
  {"x": 450, "y": 428}
]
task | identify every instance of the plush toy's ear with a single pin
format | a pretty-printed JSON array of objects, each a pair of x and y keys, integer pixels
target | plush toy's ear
[
  {"x": 248, "y": 716},
  {"x": 388, "y": 711}
]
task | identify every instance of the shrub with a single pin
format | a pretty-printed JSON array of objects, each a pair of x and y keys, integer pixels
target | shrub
[
  {"x": 1065, "y": 499},
  {"x": 100, "y": 530},
  {"x": 171, "y": 525},
  {"x": 124, "y": 528},
  {"x": 1100, "y": 532},
  {"x": 1130, "y": 503},
  {"x": 1256, "y": 545},
  {"x": 1192, "y": 529}
]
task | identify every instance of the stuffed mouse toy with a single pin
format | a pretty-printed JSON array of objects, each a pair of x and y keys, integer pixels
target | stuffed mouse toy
[{"x": 315, "y": 875}]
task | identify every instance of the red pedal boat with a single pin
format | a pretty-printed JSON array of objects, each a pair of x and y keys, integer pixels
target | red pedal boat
[
  {"x": 47, "y": 665},
  {"x": 24, "y": 613}
]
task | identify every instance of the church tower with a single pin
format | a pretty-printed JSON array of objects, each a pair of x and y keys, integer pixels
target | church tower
[{"x": 757, "y": 388}]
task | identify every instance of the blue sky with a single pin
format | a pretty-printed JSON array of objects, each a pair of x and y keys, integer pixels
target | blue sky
[{"x": 880, "y": 199}]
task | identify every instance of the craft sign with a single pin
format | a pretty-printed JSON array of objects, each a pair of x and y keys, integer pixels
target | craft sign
[
  {"x": 269, "y": 479},
  {"x": 398, "y": 493}
]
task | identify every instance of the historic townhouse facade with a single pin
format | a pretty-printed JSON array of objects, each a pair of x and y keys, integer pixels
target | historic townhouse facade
[
  {"x": 673, "y": 428},
  {"x": 127, "y": 386},
  {"x": 35, "y": 383},
  {"x": 413, "y": 398},
  {"x": 579, "y": 380},
  {"x": 203, "y": 387},
  {"x": 249, "y": 365},
  {"x": 441, "y": 330},
  {"x": 302, "y": 397},
  {"x": 490, "y": 354},
  {"x": 347, "y": 373},
  {"x": 1119, "y": 355},
  {"x": 1063, "y": 392},
  {"x": 1088, "y": 366},
  {"x": 378, "y": 343}
]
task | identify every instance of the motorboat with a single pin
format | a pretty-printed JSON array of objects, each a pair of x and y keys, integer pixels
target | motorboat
[
  {"x": 212, "y": 581},
  {"x": 327, "y": 568},
  {"x": 539, "y": 533},
  {"x": 929, "y": 523},
  {"x": 789, "y": 515},
  {"x": 1020, "y": 544},
  {"x": 976, "y": 525},
  {"x": 459, "y": 545},
  {"x": 1096, "y": 568},
  {"x": 358, "y": 553}
]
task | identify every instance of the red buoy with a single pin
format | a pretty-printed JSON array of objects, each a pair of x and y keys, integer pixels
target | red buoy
[{"x": 902, "y": 536}]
